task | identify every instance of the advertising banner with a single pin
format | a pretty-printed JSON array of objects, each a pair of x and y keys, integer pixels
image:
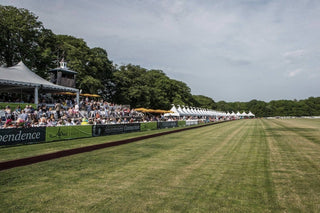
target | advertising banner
[
  {"x": 131, "y": 127},
  {"x": 68, "y": 132},
  {"x": 22, "y": 135},
  {"x": 112, "y": 129},
  {"x": 167, "y": 124},
  {"x": 191, "y": 122},
  {"x": 108, "y": 129}
]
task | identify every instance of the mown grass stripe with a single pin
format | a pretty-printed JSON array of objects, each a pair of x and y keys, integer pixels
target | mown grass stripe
[
  {"x": 44, "y": 157},
  {"x": 239, "y": 166},
  {"x": 293, "y": 171}
]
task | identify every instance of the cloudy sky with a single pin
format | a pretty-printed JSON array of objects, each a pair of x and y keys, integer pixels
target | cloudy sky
[{"x": 232, "y": 50}]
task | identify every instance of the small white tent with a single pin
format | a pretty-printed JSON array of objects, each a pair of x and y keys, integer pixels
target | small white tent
[
  {"x": 173, "y": 113},
  {"x": 244, "y": 114},
  {"x": 250, "y": 114}
]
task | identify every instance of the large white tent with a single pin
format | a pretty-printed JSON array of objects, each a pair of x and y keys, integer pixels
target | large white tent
[{"x": 21, "y": 78}]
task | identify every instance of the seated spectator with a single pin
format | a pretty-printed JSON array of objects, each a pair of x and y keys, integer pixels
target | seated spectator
[
  {"x": 84, "y": 121},
  {"x": 23, "y": 115},
  {"x": 68, "y": 122},
  {"x": 60, "y": 123},
  {"x": 90, "y": 121},
  {"x": 20, "y": 123},
  {"x": 18, "y": 109},
  {"x": 42, "y": 121},
  {"x": 8, "y": 123},
  {"x": 8, "y": 112},
  {"x": 49, "y": 122}
]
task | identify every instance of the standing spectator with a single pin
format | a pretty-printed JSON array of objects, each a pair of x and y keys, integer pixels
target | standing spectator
[{"x": 58, "y": 108}]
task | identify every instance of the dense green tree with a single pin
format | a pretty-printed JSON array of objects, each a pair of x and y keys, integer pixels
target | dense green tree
[
  {"x": 312, "y": 105},
  {"x": 101, "y": 68},
  {"x": 45, "y": 53},
  {"x": 223, "y": 106},
  {"x": 259, "y": 108},
  {"x": 158, "y": 91},
  {"x": 129, "y": 87},
  {"x": 23, "y": 37},
  {"x": 149, "y": 88},
  {"x": 182, "y": 94},
  {"x": 205, "y": 102}
]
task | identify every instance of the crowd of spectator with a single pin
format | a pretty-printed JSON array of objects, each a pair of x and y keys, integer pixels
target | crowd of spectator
[
  {"x": 57, "y": 110},
  {"x": 65, "y": 112}
]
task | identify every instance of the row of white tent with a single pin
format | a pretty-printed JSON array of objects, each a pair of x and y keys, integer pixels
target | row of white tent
[
  {"x": 196, "y": 111},
  {"x": 238, "y": 114}
]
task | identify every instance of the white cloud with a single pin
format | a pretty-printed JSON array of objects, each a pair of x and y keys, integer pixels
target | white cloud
[
  {"x": 294, "y": 72},
  {"x": 294, "y": 53}
]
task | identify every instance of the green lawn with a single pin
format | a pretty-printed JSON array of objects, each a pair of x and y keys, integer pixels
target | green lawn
[
  {"x": 243, "y": 166},
  {"x": 21, "y": 151}
]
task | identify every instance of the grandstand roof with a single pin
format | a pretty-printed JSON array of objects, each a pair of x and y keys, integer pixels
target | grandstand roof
[{"x": 20, "y": 77}]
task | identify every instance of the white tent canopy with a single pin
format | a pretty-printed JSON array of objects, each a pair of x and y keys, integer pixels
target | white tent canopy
[
  {"x": 244, "y": 114},
  {"x": 193, "y": 111},
  {"x": 173, "y": 113},
  {"x": 20, "y": 77},
  {"x": 180, "y": 111},
  {"x": 250, "y": 114}
]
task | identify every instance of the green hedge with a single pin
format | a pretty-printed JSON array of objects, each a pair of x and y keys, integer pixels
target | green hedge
[
  {"x": 13, "y": 106},
  {"x": 148, "y": 126},
  {"x": 181, "y": 123}
]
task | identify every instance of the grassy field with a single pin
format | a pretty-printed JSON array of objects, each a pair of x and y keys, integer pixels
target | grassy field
[
  {"x": 243, "y": 166},
  {"x": 22, "y": 151}
]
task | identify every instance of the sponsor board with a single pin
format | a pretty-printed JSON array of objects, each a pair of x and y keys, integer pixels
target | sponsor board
[
  {"x": 22, "y": 135},
  {"x": 191, "y": 122},
  {"x": 108, "y": 129},
  {"x": 111, "y": 129},
  {"x": 167, "y": 124},
  {"x": 133, "y": 127}
]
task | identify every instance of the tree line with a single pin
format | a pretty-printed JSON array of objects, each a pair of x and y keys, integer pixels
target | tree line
[
  {"x": 306, "y": 107},
  {"x": 24, "y": 37}
]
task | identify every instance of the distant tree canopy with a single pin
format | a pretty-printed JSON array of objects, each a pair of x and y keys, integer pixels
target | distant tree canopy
[
  {"x": 23, "y": 37},
  {"x": 307, "y": 107}
]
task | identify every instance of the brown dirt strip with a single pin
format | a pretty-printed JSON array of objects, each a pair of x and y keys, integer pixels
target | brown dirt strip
[{"x": 45, "y": 157}]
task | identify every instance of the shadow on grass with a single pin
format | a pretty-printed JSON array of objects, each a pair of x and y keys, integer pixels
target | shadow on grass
[{"x": 303, "y": 132}]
